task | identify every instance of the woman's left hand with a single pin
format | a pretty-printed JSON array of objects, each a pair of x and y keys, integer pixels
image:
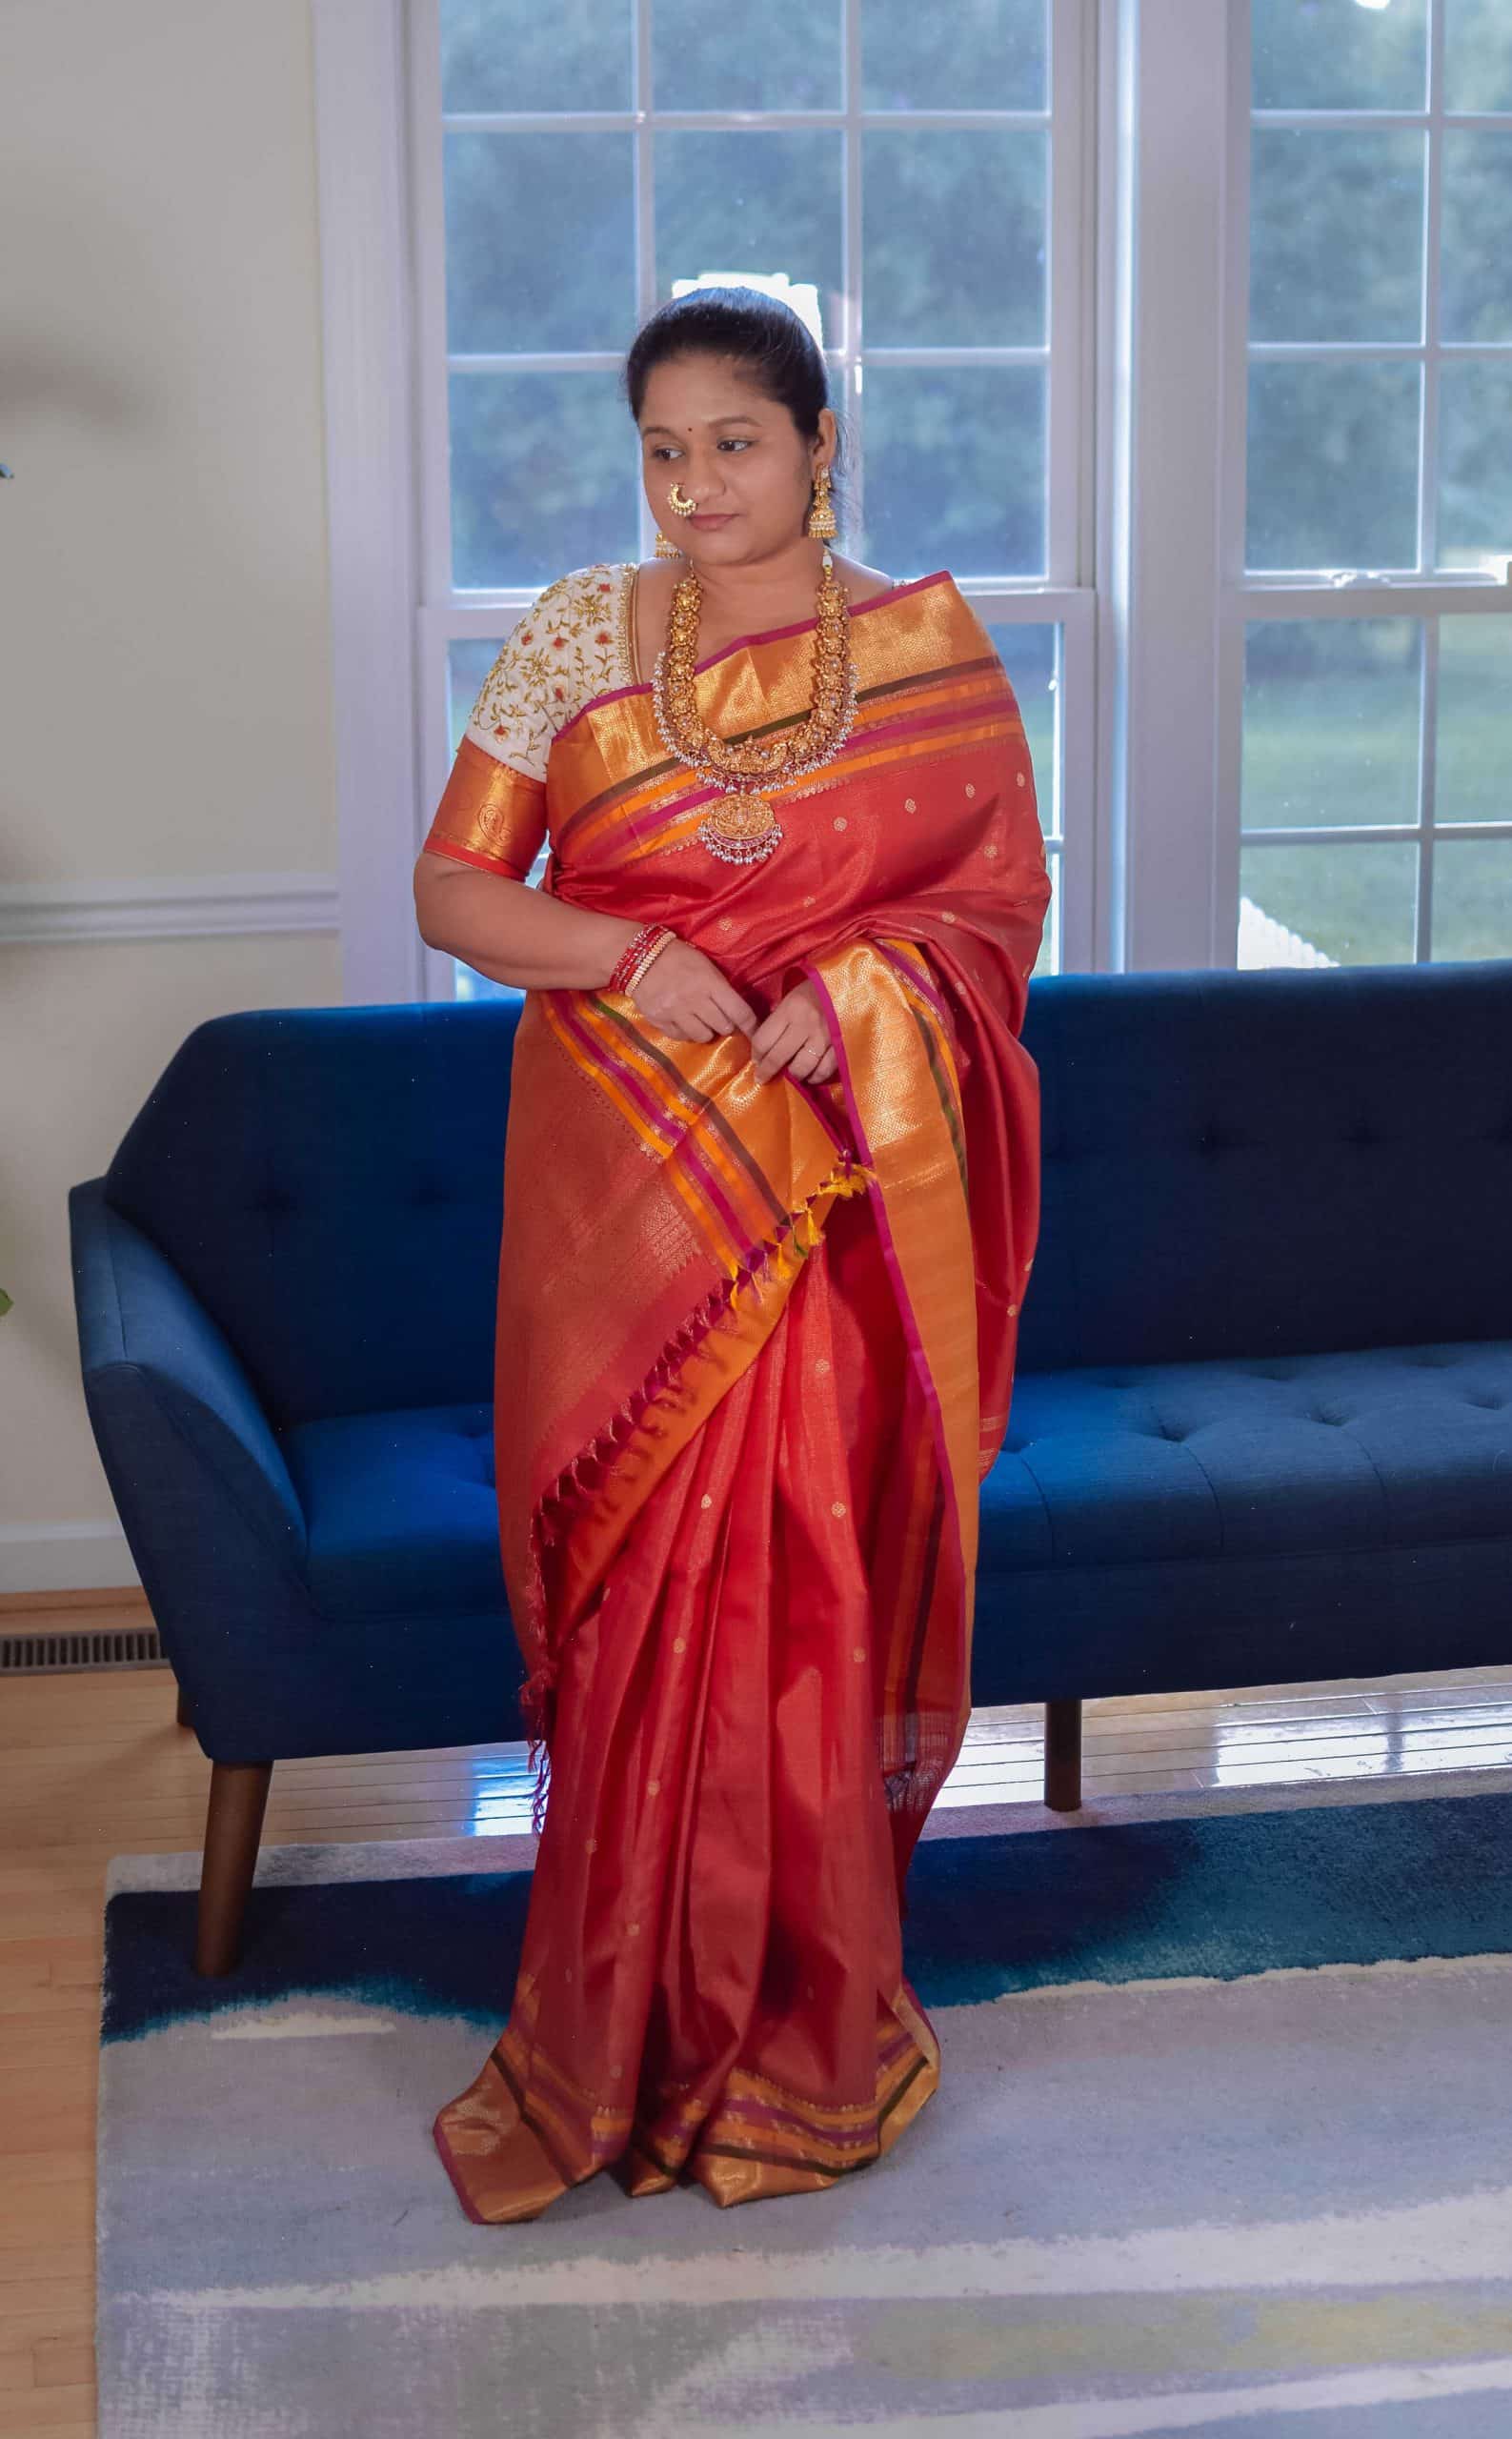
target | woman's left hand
[{"x": 796, "y": 1036}]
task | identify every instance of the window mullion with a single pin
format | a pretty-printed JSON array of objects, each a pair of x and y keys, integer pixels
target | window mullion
[
  {"x": 852, "y": 256},
  {"x": 1169, "y": 904},
  {"x": 1432, "y": 254},
  {"x": 644, "y": 205}
]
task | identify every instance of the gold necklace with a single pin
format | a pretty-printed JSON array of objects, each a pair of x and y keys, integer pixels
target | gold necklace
[{"x": 743, "y": 828}]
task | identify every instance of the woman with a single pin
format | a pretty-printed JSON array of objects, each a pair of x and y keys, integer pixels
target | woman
[{"x": 771, "y": 1197}]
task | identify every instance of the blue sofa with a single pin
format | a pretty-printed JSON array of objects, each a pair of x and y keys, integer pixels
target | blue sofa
[{"x": 1261, "y": 1428}]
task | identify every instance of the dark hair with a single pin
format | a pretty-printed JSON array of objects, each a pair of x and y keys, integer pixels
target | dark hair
[{"x": 770, "y": 343}]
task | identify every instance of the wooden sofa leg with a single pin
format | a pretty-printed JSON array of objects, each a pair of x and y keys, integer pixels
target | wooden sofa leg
[
  {"x": 1063, "y": 1756},
  {"x": 184, "y": 1715},
  {"x": 233, "y": 1824}
]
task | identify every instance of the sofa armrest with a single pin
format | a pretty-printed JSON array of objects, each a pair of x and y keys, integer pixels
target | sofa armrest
[{"x": 143, "y": 1328}]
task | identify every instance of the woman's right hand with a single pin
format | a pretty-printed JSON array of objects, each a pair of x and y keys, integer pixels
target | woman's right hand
[{"x": 683, "y": 993}]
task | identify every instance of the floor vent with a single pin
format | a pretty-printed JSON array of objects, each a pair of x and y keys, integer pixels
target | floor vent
[{"x": 119, "y": 1647}]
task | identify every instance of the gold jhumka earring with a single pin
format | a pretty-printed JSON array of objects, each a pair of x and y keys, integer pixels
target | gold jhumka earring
[{"x": 820, "y": 519}]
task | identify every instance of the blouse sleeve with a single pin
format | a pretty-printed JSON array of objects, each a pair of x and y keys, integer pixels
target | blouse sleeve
[{"x": 492, "y": 810}]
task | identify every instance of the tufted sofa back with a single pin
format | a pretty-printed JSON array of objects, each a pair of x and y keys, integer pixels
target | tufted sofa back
[
  {"x": 1286, "y": 1160},
  {"x": 1278, "y": 1161},
  {"x": 330, "y": 1181}
]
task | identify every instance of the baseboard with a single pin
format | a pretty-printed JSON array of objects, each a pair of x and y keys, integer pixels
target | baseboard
[{"x": 66, "y": 1563}]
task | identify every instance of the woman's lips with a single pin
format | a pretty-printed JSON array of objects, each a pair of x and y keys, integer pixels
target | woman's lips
[{"x": 710, "y": 522}]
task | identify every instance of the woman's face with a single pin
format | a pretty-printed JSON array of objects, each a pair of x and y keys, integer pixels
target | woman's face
[{"x": 734, "y": 452}]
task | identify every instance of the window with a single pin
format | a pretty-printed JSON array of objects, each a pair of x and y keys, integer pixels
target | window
[
  {"x": 1183, "y": 335},
  {"x": 1375, "y": 808},
  {"x": 575, "y": 166}
]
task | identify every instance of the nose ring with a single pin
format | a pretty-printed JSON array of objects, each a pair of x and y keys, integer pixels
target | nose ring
[{"x": 683, "y": 506}]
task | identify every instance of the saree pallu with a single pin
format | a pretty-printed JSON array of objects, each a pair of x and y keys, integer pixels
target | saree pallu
[{"x": 754, "y": 1358}]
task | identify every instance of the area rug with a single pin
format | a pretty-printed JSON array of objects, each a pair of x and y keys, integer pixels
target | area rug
[{"x": 1222, "y": 2144}]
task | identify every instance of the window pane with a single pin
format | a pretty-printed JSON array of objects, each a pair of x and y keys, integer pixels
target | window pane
[
  {"x": 1333, "y": 465},
  {"x": 1336, "y": 234},
  {"x": 1475, "y": 462},
  {"x": 1477, "y": 235},
  {"x": 1050, "y": 959},
  {"x": 469, "y": 984},
  {"x": 1472, "y": 897},
  {"x": 927, "y": 282},
  {"x": 1032, "y": 656},
  {"x": 751, "y": 203},
  {"x": 1331, "y": 722},
  {"x": 996, "y": 58},
  {"x": 1477, "y": 55},
  {"x": 506, "y": 55},
  {"x": 545, "y": 475},
  {"x": 1313, "y": 57},
  {"x": 1474, "y": 775},
  {"x": 539, "y": 242},
  {"x": 1336, "y": 905},
  {"x": 700, "y": 61},
  {"x": 955, "y": 470}
]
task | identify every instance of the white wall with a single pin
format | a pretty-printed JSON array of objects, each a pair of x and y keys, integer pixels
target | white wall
[{"x": 165, "y": 662}]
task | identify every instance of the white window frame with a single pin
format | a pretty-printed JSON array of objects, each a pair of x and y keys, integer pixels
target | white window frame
[
  {"x": 1145, "y": 534},
  {"x": 368, "y": 292},
  {"x": 1428, "y": 593}
]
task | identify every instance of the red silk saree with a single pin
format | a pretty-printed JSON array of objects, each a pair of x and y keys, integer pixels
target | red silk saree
[{"x": 754, "y": 1358}]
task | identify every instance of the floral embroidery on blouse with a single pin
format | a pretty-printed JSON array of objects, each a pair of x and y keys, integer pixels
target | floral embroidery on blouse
[{"x": 574, "y": 642}]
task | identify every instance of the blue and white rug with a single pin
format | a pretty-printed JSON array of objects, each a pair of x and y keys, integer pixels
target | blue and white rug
[{"x": 1223, "y": 2143}]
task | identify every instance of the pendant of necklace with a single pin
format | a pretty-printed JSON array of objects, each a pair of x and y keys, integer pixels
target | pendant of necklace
[{"x": 743, "y": 828}]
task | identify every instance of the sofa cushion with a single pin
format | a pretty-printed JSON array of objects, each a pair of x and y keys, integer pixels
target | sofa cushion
[
  {"x": 1373, "y": 1448},
  {"x": 400, "y": 1511},
  {"x": 1104, "y": 1466}
]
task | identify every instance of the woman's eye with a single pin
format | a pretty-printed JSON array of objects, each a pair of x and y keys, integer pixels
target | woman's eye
[{"x": 732, "y": 442}]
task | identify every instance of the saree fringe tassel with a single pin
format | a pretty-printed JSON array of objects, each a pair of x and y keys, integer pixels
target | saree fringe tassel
[{"x": 777, "y": 1259}]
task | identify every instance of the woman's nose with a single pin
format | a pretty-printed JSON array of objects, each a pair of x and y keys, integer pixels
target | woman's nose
[{"x": 695, "y": 480}]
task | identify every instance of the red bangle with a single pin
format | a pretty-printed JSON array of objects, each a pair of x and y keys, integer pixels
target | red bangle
[
  {"x": 639, "y": 955},
  {"x": 634, "y": 951}
]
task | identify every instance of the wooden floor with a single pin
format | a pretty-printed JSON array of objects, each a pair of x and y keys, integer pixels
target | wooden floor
[{"x": 93, "y": 1766}]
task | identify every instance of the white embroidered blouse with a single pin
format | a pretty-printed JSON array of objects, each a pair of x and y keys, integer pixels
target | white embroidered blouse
[{"x": 577, "y": 640}]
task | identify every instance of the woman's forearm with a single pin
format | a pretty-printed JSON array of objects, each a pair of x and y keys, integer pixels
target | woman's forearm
[{"x": 517, "y": 935}]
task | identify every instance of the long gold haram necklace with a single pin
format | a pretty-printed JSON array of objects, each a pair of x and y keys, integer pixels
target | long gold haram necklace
[{"x": 743, "y": 828}]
